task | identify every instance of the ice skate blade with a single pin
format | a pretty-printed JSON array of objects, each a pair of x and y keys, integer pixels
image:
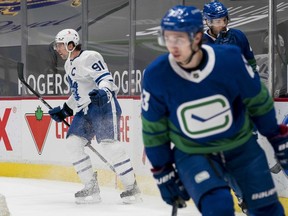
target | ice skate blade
[
  {"x": 132, "y": 199},
  {"x": 88, "y": 200}
]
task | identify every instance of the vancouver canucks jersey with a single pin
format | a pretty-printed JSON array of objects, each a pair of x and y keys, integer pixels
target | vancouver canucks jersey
[
  {"x": 238, "y": 38},
  {"x": 205, "y": 110},
  {"x": 86, "y": 72}
]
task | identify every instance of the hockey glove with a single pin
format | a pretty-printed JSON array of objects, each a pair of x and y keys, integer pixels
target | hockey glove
[
  {"x": 226, "y": 37},
  {"x": 170, "y": 186},
  {"x": 58, "y": 114},
  {"x": 280, "y": 146},
  {"x": 100, "y": 97}
]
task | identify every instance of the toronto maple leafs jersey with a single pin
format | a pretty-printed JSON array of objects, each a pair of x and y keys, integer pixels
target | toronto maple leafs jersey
[
  {"x": 86, "y": 72},
  {"x": 206, "y": 110}
]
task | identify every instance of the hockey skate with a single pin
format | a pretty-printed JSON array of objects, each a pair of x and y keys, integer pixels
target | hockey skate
[
  {"x": 90, "y": 193},
  {"x": 4, "y": 211},
  {"x": 132, "y": 195}
]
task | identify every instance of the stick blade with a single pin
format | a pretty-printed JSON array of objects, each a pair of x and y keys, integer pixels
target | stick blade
[{"x": 20, "y": 70}]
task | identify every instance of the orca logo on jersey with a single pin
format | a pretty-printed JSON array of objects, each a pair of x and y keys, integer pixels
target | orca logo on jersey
[{"x": 205, "y": 117}]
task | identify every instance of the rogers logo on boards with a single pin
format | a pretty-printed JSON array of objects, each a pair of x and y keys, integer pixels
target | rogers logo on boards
[{"x": 39, "y": 124}]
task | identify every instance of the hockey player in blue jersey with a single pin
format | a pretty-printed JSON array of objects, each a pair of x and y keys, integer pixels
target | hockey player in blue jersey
[
  {"x": 199, "y": 106},
  {"x": 216, "y": 18},
  {"x": 96, "y": 111}
]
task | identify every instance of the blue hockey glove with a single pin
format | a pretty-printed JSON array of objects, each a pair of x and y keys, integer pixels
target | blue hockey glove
[
  {"x": 58, "y": 114},
  {"x": 226, "y": 37},
  {"x": 170, "y": 186},
  {"x": 99, "y": 97},
  {"x": 280, "y": 146}
]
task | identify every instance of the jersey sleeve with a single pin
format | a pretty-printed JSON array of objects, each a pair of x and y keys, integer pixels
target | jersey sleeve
[
  {"x": 71, "y": 102},
  {"x": 247, "y": 51},
  {"x": 257, "y": 99},
  {"x": 155, "y": 130}
]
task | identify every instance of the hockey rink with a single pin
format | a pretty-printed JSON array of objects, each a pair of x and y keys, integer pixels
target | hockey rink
[{"x": 31, "y": 197}]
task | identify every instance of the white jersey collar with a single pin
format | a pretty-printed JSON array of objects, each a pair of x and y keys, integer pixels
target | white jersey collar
[{"x": 197, "y": 75}]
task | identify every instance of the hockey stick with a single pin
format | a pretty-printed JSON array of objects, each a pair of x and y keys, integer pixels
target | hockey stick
[
  {"x": 101, "y": 157},
  {"x": 174, "y": 209},
  {"x": 20, "y": 67},
  {"x": 179, "y": 202},
  {"x": 276, "y": 168}
]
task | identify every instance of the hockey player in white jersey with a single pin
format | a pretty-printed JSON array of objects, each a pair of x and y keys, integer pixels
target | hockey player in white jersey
[{"x": 97, "y": 113}]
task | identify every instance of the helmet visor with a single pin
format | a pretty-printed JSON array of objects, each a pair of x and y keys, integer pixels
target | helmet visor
[
  {"x": 178, "y": 39},
  {"x": 57, "y": 46}
]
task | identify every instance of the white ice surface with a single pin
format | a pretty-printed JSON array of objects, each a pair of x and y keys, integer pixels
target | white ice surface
[{"x": 30, "y": 197}]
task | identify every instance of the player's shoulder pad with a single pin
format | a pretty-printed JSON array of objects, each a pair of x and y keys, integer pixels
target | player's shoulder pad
[
  {"x": 225, "y": 49},
  {"x": 90, "y": 53},
  {"x": 91, "y": 56},
  {"x": 237, "y": 32},
  {"x": 156, "y": 66}
]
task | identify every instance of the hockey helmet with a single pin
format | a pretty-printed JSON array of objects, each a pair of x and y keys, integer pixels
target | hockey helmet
[
  {"x": 214, "y": 10},
  {"x": 182, "y": 19},
  {"x": 66, "y": 36}
]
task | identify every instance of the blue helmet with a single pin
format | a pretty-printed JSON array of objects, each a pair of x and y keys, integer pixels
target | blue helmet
[
  {"x": 183, "y": 19},
  {"x": 214, "y": 10}
]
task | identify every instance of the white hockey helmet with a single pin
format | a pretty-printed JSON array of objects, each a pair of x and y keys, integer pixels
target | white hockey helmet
[{"x": 66, "y": 36}]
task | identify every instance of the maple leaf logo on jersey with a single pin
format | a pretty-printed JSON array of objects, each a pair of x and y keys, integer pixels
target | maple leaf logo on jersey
[{"x": 39, "y": 124}]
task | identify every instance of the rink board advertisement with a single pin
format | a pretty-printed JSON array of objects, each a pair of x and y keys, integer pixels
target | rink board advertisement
[{"x": 29, "y": 136}]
